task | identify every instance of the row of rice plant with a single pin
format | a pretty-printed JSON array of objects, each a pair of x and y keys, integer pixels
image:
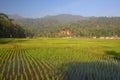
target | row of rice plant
[
  {"x": 47, "y": 70},
  {"x": 18, "y": 64},
  {"x": 79, "y": 64},
  {"x": 58, "y": 62}
]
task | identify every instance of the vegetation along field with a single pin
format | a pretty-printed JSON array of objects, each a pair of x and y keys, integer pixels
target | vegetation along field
[{"x": 59, "y": 59}]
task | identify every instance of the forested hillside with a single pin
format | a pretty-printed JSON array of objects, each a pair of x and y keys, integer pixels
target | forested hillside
[
  {"x": 78, "y": 26},
  {"x": 102, "y": 26}
]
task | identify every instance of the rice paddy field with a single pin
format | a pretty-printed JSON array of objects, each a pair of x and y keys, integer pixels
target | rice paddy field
[{"x": 59, "y": 59}]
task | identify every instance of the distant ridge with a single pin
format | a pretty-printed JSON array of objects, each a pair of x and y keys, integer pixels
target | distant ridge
[
  {"x": 61, "y": 18},
  {"x": 15, "y": 16},
  {"x": 66, "y": 18}
]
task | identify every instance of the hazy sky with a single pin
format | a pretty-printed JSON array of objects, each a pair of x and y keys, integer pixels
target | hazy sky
[{"x": 38, "y": 8}]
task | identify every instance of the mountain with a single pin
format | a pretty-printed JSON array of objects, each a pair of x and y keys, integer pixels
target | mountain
[
  {"x": 62, "y": 18},
  {"x": 48, "y": 21},
  {"x": 66, "y": 18},
  {"x": 51, "y": 26},
  {"x": 15, "y": 16}
]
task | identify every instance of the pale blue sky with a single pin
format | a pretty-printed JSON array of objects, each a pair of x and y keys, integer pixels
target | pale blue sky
[{"x": 39, "y": 8}]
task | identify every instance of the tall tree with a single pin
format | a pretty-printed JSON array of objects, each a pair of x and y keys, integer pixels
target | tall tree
[{"x": 9, "y": 29}]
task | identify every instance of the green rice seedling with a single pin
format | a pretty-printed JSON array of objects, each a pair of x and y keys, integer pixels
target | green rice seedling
[{"x": 60, "y": 59}]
